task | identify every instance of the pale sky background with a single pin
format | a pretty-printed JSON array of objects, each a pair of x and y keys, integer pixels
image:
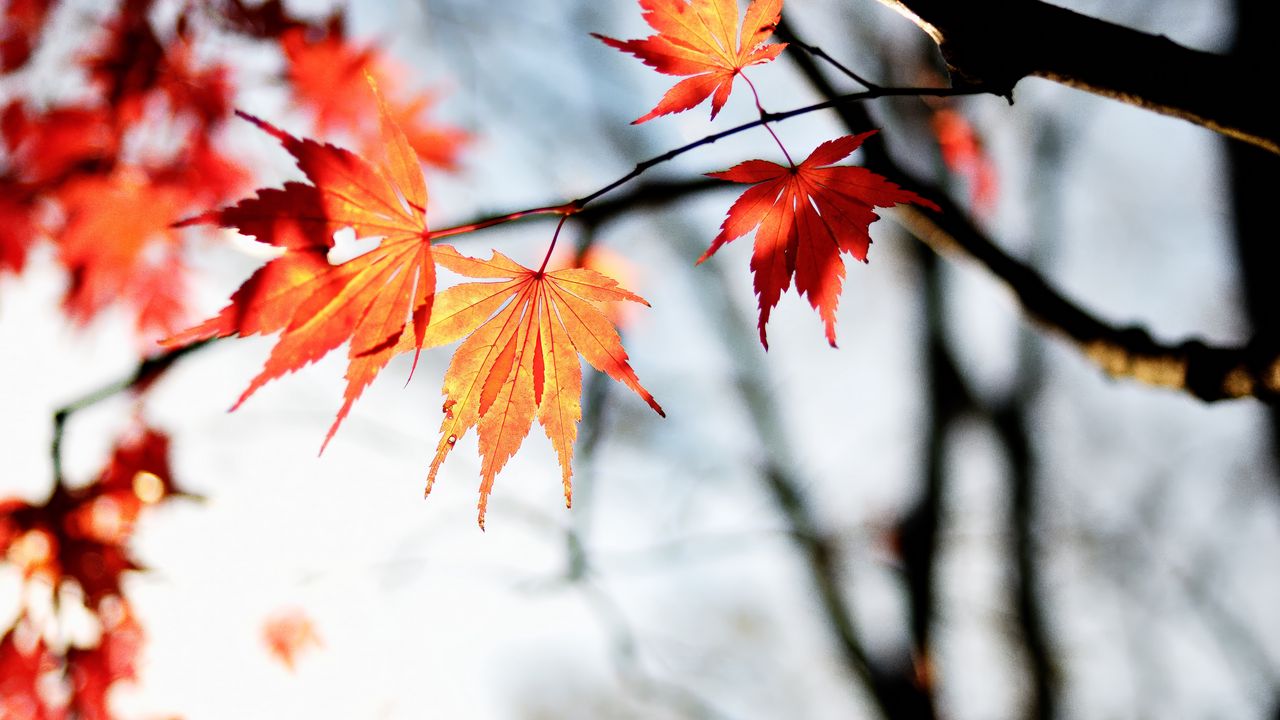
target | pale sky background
[{"x": 422, "y": 615}]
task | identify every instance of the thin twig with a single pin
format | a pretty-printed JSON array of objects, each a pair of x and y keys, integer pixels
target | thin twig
[
  {"x": 573, "y": 206},
  {"x": 819, "y": 52}
]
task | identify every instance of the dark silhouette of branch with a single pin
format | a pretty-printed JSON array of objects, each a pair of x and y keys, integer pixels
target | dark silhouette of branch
[
  {"x": 1011, "y": 424},
  {"x": 1256, "y": 248},
  {"x": 1206, "y": 372},
  {"x": 918, "y": 531},
  {"x": 995, "y": 44}
]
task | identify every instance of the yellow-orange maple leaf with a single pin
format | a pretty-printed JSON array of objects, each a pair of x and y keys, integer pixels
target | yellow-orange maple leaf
[
  {"x": 701, "y": 39},
  {"x": 525, "y": 332},
  {"x": 316, "y": 305}
]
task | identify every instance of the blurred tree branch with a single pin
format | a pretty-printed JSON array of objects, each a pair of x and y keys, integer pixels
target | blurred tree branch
[{"x": 994, "y": 43}]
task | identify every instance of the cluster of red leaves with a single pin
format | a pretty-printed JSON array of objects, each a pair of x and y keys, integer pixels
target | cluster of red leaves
[
  {"x": 329, "y": 74},
  {"x": 805, "y": 216},
  {"x": 102, "y": 179},
  {"x": 524, "y": 332},
  {"x": 91, "y": 178},
  {"x": 83, "y": 176},
  {"x": 524, "y": 329},
  {"x": 80, "y": 537}
]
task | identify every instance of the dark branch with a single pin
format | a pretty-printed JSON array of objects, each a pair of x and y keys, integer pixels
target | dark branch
[{"x": 995, "y": 44}]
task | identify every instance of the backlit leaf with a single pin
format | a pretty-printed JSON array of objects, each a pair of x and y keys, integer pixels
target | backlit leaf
[{"x": 805, "y": 216}]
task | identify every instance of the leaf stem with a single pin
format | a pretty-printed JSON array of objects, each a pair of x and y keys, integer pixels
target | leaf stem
[
  {"x": 763, "y": 114},
  {"x": 552, "y": 246}
]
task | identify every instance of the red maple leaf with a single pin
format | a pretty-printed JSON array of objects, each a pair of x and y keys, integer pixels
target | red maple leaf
[
  {"x": 807, "y": 215},
  {"x": 701, "y": 38},
  {"x": 316, "y": 305},
  {"x": 328, "y": 75},
  {"x": 525, "y": 331}
]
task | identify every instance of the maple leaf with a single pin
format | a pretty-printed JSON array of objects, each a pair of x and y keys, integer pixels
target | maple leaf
[
  {"x": 65, "y": 538},
  {"x": 701, "y": 39},
  {"x": 807, "y": 215},
  {"x": 48, "y": 147},
  {"x": 82, "y": 534},
  {"x": 525, "y": 331},
  {"x": 315, "y": 305},
  {"x": 129, "y": 67},
  {"x": 328, "y": 75}
]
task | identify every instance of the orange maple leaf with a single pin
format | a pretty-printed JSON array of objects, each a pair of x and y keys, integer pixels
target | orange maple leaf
[
  {"x": 701, "y": 38},
  {"x": 807, "y": 215},
  {"x": 317, "y": 305},
  {"x": 525, "y": 332}
]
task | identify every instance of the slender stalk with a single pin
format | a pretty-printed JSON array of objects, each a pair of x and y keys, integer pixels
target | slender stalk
[
  {"x": 552, "y": 246},
  {"x": 761, "y": 109}
]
